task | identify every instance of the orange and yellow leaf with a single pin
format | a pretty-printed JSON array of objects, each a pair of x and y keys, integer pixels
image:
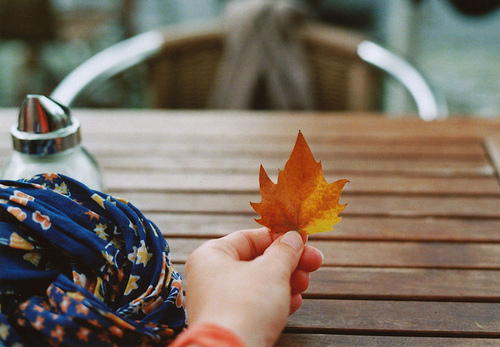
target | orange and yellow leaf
[{"x": 301, "y": 199}]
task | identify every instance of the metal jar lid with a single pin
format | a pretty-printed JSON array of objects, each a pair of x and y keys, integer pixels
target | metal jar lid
[{"x": 44, "y": 127}]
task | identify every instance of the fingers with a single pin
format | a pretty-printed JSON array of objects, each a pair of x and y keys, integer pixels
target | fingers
[
  {"x": 284, "y": 254},
  {"x": 299, "y": 281},
  {"x": 250, "y": 243},
  {"x": 295, "y": 302},
  {"x": 311, "y": 259},
  {"x": 243, "y": 244}
]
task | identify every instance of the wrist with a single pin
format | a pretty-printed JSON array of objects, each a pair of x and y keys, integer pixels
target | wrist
[{"x": 207, "y": 335}]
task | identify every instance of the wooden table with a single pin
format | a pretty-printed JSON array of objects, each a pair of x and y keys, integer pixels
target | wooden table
[{"x": 416, "y": 258}]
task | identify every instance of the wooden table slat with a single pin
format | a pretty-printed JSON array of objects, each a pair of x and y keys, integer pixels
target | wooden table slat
[
  {"x": 359, "y": 183},
  {"x": 194, "y": 163},
  {"x": 401, "y": 284},
  {"x": 263, "y": 124},
  {"x": 398, "y": 317},
  {"x": 365, "y": 205},
  {"x": 281, "y": 150},
  {"x": 385, "y": 254},
  {"x": 405, "y": 284},
  {"x": 360, "y": 228}
]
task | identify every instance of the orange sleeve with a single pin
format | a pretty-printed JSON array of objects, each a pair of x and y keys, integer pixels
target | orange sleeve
[{"x": 207, "y": 335}]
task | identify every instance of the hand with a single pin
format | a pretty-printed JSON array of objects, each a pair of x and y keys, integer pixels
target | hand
[{"x": 249, "y": 282}]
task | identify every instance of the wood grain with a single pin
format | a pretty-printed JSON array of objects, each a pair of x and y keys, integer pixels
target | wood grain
[
  {"x": 425, "y": 318},
  {"x": 400, "y": 284},
  {"x": 359, "y": 183},
  {"x": 358, "y": 205},
  {"x": 362, "y": 228},
  {"x": 405, "y": 284},
  {"x": 441, "y": 255},
  {"x": 197, "y": 163},
  {"x": 264, "y": 124},
  {"x": 216, "y": 147},
  {"x": 324, "y": 340}
]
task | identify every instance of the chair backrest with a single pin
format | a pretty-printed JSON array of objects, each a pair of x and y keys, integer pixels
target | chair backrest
[
  {"x": 182, "y": 64},
  {"x": 182, "y": 74}
]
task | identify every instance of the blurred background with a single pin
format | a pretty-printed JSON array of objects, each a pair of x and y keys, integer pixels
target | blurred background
[{"x": 454, "y": 43}]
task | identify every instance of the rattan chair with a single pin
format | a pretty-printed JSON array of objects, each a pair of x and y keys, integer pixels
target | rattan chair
[{"x": 182, "y": 63}]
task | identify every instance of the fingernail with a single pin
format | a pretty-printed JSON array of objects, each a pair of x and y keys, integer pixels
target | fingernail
[
  {"x": 293, "y": 239},
  {"x": 322, "y": 257}
]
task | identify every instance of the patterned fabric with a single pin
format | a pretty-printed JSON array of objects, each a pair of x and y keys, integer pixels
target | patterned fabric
[{"x": 82, "y": 268}]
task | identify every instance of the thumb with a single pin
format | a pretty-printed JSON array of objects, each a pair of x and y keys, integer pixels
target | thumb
[{"x": 285, "y": 252}]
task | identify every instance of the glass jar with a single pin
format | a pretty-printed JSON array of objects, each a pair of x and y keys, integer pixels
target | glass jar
[{"x": 47, "y": 140}]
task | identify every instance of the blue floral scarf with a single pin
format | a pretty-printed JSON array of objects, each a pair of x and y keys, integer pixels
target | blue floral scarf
[{"x": 82, "y": 268}]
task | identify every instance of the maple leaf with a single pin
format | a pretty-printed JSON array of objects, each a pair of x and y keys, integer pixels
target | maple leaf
[{"x": 301, "y": 199}]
